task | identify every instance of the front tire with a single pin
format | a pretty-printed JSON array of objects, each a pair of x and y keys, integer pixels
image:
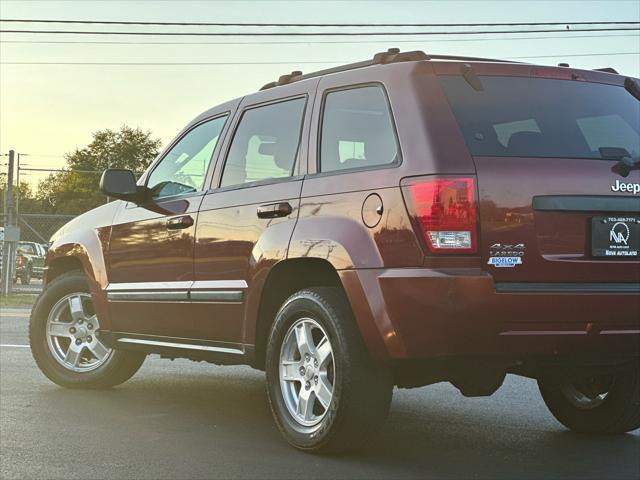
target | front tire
[
  {"x": 64, "y": 334},
  {"x": 598, "y": 404},
  {"x": 325, "y": 392}
]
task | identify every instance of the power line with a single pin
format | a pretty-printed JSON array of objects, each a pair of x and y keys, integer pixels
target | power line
[
  {"x": 178, "y": 63},
  {"x": 581, "y": 55},
  {"x": 44, "y": 155},
  {"x": 58, "y": 170},
  {"x": 314, "y": 42},
  {"x": 312, "y": 34},
  {"x": 315, "y": 25},
  {"x": 337, "y": 62}
]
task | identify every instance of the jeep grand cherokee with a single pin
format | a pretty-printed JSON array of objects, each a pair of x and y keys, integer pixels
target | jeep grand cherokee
[{"x": 402, "y": 221}]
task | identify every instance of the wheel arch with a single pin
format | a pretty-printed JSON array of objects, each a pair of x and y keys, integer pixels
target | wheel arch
[
  {"x": 81, "y": 251},
  {"x": 294, "y": 274},
  {"x": 283, "y": 280},
  {"x": 62, "y": 265}
]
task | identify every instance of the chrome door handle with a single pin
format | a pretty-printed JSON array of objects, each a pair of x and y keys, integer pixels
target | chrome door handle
[
  {"x": 275, "y": 210},
  {"x": 177, "y": 223}
]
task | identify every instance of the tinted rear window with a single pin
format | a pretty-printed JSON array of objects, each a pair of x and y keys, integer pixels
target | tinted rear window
[
  {"x": 357, "y": 130},
  {"x": 535, "y": 117}
]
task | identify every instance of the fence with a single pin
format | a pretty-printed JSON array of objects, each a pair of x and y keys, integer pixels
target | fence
[
  {"x": 38, "y": 227},
  {"x": 34, "y": 227}
]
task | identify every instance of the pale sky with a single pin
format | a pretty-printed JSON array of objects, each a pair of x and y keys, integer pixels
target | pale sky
[{"x": 49, "y": 110}]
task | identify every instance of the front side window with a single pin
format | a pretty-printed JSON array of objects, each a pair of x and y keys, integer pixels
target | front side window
[
  {"x": 265, "y": 144},
  {"x": 184, "y": 168},
  {"x": 357, "y": 130}
]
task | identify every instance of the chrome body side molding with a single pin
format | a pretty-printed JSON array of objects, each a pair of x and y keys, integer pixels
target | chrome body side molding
[
  {"x": 224, "y": 291},
  {"x": 219, "y": 296},
  {"x": 185, "y": 346},
  {"x": 149, "y": 296}
]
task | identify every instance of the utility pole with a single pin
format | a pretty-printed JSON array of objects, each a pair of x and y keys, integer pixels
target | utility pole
[
  {"x": 18, "y": 186},
  {"x": 11, "y": 233},
  {"x": 18, "y": 194}
]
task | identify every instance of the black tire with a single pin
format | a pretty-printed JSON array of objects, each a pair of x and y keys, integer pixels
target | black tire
[
  {"x": 119, "y": 366},
  {"x": 618, "y": 412},
  {"x": 362, "y": 390},
  {"x": 25, "y": 278}
]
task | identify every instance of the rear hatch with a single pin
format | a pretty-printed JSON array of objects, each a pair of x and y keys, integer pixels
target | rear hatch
[{"x": 555, "y": 204}]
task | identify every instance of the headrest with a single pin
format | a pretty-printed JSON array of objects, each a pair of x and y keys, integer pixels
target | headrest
[
  {"x": 267, "y": 148},
  {"x": 526, "y": 143},
  {"x": 282, "y": 153}
]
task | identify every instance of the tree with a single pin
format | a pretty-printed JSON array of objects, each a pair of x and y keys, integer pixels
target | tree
[
  {"x": 76, "y": 189},
  {"x": 23, "y": 197}
]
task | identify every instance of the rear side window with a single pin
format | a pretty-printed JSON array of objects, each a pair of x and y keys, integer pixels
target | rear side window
[
  {"x": 265, "y": 144},
  {"x": 357, "y": 130},
  {"x": 536, "y": 117}
]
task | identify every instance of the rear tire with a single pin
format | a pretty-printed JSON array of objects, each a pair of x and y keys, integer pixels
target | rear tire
[
  {"x": 349, "y": 394},
  {"x": 613, "y": 406},
  {"x": 64, "y": 337}
]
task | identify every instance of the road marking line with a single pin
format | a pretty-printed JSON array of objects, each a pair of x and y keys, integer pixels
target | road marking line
[{"x": 14, "y": 346}]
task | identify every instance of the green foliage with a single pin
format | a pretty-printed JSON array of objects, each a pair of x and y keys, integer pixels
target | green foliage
[
  {"x": 24, "y": 197},
  {"x": 17, "y": 300},
  {"x": 75, "y": 191}
]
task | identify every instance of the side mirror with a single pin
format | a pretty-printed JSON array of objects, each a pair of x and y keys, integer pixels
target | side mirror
[{"x": 120, "y": 183}]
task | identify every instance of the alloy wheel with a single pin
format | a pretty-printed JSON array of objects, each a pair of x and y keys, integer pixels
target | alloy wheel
[
  {"x": 307, "y": 372},
  {"x": 73, "y": 334},
  {"x": 588, "y": 393}
]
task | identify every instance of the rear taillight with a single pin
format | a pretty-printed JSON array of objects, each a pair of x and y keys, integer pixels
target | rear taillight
[{"x": 445, "y": 212}]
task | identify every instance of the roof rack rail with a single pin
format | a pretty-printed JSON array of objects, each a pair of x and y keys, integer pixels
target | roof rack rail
[
  {"x": 606, "y": 70},
  {"x": 470, "y": 59},
  {"x": 393, "y": 55}
]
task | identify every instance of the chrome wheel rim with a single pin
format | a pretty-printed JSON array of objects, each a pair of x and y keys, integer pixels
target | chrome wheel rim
[
  {"x": 72, "y": 334},
  {"x": 307, "y": 372}
]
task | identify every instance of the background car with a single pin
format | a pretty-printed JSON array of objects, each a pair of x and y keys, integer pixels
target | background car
[{"x": 29, "y": 261}]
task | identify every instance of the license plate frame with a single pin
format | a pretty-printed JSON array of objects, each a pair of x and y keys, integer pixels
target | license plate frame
[{"x": 615, "y": 237}]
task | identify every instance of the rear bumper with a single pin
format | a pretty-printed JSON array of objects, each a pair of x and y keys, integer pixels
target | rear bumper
[{"x": 422, "y": 313}]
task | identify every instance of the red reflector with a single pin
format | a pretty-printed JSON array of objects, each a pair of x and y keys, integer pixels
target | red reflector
[{"x": 445, "y": 211}]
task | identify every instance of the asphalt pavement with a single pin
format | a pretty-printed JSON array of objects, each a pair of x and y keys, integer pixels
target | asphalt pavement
[{"x": 188, "y": 420}]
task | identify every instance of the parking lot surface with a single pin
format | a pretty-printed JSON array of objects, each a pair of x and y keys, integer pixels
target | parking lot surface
[{"x": 187, "y": 420}]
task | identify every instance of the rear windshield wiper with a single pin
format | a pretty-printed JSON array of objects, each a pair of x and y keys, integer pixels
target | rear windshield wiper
[{"x": 625, "y": 164}]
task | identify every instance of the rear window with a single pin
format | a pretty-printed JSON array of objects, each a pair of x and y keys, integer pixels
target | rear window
[{"x": 536, "y": 117}]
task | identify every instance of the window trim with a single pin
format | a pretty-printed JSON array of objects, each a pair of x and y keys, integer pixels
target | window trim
[
  {"x": 266, "y": 181},
  {"x": 201, "y": 191},
  {"x": 395, "y": 164}
]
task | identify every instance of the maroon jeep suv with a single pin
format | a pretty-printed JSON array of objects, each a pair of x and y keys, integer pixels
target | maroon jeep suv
[{"x": 402, "y": 221}]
